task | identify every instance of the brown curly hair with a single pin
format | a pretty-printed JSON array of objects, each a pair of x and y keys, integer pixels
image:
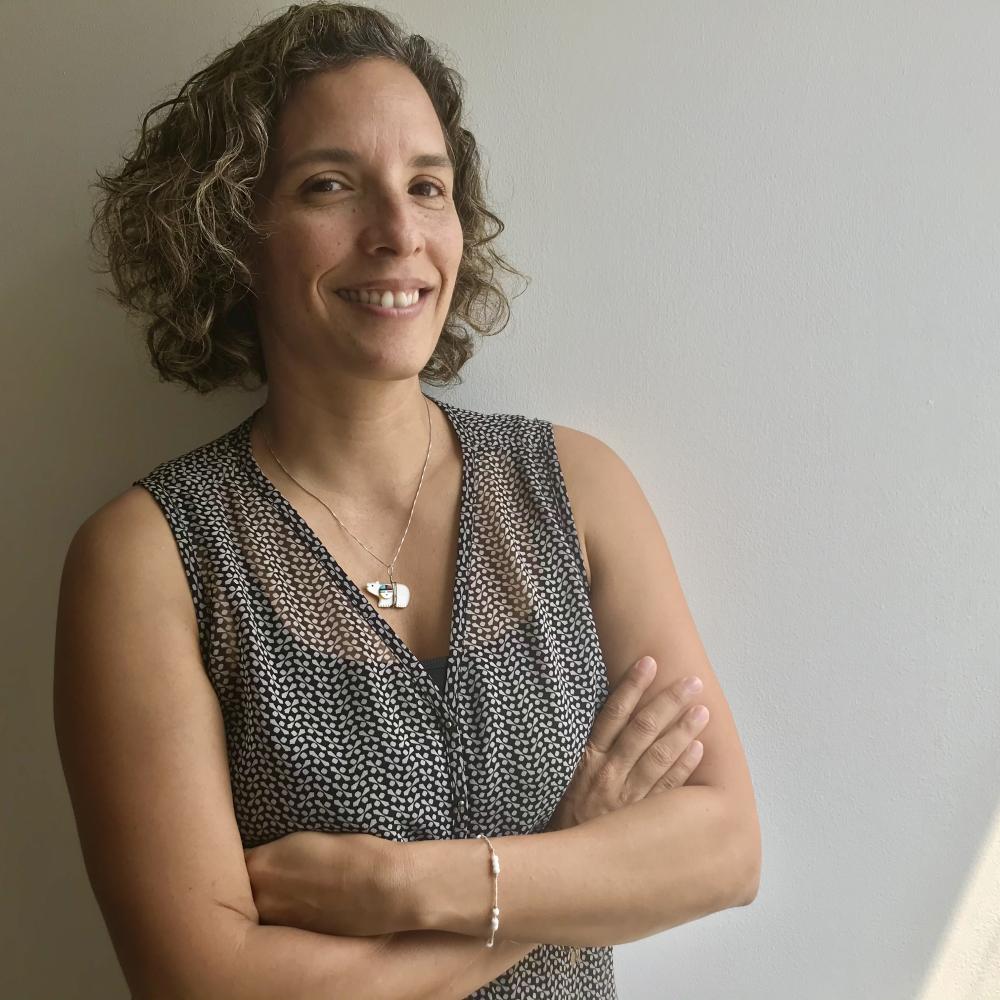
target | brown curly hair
[{"x": 174, "y": 223}]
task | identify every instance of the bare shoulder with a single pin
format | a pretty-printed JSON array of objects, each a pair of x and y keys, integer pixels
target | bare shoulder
[
  {"x": 142, "y": 745},
  {"x": 590, "y": 469},
  {"x": 124, "y": 555},
  {"x": 131, "y": 531},
  {"x": 133, "y": 517}
]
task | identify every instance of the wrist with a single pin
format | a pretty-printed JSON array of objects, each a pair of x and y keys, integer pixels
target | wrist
[
  {"x": 447, "y": 887},
  {"x": 394, "y": 886}
]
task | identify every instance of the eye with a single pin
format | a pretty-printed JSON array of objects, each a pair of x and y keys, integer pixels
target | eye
[
  {"x": 437, "y": 187},
  {"x": 318, "y": 186},
  {"x": 315, "y": 186}
]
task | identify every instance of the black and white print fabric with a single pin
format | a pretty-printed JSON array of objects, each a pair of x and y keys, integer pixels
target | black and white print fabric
[{"x": 333, "y": 724}]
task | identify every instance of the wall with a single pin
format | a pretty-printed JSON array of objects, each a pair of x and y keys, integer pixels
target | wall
[{"x": 763, "y": 244}]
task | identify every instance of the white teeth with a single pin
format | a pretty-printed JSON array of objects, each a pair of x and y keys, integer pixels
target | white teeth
[{"x": 386, "y": 299}]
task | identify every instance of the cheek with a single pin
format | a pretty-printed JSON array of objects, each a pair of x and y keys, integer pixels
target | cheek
[
  {"x": 453, "y": 240},
  {"x": 300, "y": 253}
]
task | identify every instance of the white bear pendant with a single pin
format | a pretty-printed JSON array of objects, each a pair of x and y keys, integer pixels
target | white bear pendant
[{"x": 390, "y": 595}]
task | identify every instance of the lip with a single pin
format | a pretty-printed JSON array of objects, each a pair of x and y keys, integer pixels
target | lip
[
  {"x": 391, "y": 312},
  {"x": 387, "y": 284}
]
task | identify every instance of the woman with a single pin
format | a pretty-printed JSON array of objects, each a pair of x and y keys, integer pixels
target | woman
[{"x": 316, "y": 677}]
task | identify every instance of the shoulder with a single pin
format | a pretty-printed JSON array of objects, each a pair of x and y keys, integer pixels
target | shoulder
[
  {"x": 592, "y": 471},
  {"x": 598, "y": 487},
  {"x": 586, "y": 460},
  {"x": 138, "y": 545},
  {"x": 199, "y": 469},
  {"x": 124, "y": 526},
  {"x": 126, "y": 544},
  {"x": 594, "y": 474}
]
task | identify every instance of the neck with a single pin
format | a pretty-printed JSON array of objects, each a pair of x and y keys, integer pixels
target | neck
[{"x": 364, "y": 451}]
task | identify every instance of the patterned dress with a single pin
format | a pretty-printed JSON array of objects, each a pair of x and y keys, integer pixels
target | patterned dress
[{"x": 333, "y": 724}]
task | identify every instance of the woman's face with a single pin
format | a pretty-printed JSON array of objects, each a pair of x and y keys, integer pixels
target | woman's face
[{"x": 350, "y": 204}]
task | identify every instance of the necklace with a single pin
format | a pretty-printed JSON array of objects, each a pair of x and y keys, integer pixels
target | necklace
[{"x": 392, "y": 594}]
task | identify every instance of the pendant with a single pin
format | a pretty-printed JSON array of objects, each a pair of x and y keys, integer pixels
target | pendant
[{"x": 390, "y": 595}]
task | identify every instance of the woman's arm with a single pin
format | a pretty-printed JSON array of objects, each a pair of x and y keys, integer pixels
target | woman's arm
[
  {"x": 668, "y": 859},
  {"x": 654, "y": 864},
  {"x": 142, "y": 744},
  {"x": 416, "y": 965}
]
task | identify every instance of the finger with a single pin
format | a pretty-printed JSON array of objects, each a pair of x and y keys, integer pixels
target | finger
[
  {"x": 619, "y": 705},
  {"x": 681, "y": 771},
  {"x": 651, "y": 721},
  {"x": 665, "y": 754}
]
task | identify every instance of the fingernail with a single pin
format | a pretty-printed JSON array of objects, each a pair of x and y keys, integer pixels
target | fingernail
[
  {"x": 645, "y": 666},
  {"x": 692, "y": 684}
]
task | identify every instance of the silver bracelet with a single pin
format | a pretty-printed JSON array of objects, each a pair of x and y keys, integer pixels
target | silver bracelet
[
  {"x": 495, "y": 868},
  {"x": 575, "y": 953}
]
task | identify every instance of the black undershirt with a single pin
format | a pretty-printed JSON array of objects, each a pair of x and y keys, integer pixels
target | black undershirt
[{"x": 437, "y": 667}]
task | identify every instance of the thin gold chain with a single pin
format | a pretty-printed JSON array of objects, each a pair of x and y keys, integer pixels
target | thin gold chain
[{"x": 388, "y": 566}]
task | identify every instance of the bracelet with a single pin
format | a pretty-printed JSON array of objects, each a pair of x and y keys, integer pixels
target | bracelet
[
  {"x": 575, "y": 953},
  {"x": 495, "y": 868}
]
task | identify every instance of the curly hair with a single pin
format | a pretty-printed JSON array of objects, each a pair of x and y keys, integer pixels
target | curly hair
[{"x": 174, "y": 223}]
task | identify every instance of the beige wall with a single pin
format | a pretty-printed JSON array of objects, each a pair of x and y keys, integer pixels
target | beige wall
[{"x": 764, "y": 247}]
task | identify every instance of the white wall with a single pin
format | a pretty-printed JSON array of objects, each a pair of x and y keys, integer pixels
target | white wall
[{"x": 763, "y": 240}]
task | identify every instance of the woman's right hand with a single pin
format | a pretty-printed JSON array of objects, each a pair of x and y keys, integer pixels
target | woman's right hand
[{"x": 629, "y": 757}]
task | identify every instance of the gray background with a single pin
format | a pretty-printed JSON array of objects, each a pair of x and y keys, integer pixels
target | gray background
[{"x": 763, "y": 243}]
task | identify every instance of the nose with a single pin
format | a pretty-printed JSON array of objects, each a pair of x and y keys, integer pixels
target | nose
[{"x": 392, "y": 226}]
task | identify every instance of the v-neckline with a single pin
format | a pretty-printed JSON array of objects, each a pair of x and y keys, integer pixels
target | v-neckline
[{"x": 351, "y": 589}]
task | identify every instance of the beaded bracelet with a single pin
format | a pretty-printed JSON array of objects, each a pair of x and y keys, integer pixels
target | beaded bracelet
[{"x": 495, "y": 868}]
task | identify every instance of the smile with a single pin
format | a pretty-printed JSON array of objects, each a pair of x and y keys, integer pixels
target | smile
[{"x": 388, "y": 304}]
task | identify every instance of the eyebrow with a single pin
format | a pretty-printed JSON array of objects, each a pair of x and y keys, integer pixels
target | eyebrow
[{"x": 337, "y": 154}]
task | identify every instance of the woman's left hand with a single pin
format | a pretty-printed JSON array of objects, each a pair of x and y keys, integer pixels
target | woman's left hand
[{"x": 332, "y": 883}]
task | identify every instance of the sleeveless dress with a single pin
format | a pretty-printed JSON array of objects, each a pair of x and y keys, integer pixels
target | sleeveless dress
[{"x": 333, "y": 724}]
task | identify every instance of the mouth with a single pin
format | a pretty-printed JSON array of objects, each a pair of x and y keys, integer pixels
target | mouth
[{"x": 400, "y": 305}]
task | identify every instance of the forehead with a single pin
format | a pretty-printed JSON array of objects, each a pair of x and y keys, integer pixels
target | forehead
[{"x": 370, "y": 101}]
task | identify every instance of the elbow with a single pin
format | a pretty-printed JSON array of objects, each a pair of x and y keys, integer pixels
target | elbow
[
  {"x": 191, "y": 989},
  {"x": 169, "y": 989},
  {"x": 750, "y": 887},
  {"x": 212, "y": 968},
  {"x": 745, "y": 858},
  {"x": 750, "y": 868}
]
